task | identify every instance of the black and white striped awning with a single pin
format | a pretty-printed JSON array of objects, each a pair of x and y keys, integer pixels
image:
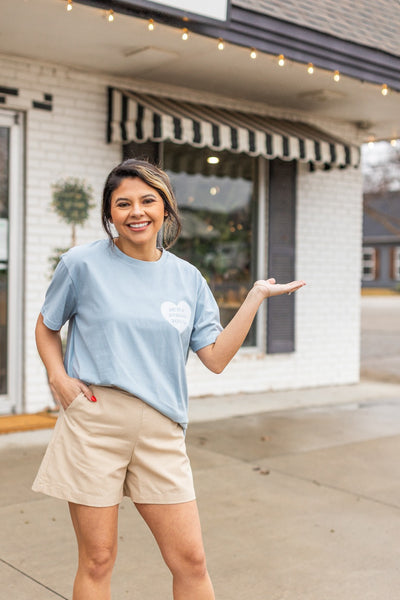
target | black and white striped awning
[{"x": 135, "y": 117}]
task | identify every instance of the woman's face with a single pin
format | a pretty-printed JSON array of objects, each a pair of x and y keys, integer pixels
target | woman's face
[{"x": 137, "y": 213}]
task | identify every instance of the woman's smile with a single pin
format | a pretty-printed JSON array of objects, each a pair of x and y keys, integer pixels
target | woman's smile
[{"x": 139, "y": 226}]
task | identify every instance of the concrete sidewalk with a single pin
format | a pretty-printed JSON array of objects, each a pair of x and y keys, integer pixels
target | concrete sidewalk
[{"x": 295, "y": 504}]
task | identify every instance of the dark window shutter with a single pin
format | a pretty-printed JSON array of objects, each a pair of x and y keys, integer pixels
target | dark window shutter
[
  {"x": 377, "y": 263},
  {"x": 393, "y": 263},
  {"x": 281, "y": 254}
]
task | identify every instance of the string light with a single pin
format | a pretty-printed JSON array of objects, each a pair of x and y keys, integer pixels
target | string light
[
  {"x": 393, "y": 143},
  {"x": 253, "y": 54}
]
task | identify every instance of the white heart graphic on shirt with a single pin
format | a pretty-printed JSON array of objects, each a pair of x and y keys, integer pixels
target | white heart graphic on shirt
[{"x": 178, "y": 315}]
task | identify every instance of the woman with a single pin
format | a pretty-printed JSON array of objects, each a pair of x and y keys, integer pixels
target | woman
[{"x": 134, "y": 310}]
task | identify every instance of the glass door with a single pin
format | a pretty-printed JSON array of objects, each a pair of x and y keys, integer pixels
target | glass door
[
  {"x": 11, "y": 220},
  {"x": 4, "y": 171}
]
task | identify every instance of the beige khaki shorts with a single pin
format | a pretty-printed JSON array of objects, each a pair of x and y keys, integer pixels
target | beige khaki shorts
[{"x": 118, "y": 446}]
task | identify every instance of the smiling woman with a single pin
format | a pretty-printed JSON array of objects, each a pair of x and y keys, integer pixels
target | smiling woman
[
  {"x": 138, "y": 214},
  {"x": 134, "y": 311},
  {"x": 138, "y": 188}
]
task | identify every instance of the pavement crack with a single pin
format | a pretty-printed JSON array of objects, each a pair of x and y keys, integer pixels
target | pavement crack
[
  {"x": 336, "y": 488},
  {"x": 32, "y": 579}
]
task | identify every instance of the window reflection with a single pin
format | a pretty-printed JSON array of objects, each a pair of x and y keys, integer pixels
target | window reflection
[{"x": 216, "y": 203}]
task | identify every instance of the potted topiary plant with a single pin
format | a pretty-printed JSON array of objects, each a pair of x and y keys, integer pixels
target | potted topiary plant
[{"x": 72, "y": 201}]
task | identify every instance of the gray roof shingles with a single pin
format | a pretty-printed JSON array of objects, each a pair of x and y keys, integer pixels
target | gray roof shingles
[
  {"x": 385, "y": 209},
  {"x": 372, "y": 23}
]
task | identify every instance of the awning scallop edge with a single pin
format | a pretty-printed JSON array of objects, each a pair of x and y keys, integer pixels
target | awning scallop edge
[{"x": 137, "y": 117}]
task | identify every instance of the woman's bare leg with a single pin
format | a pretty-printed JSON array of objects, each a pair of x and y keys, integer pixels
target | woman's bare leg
[
  {"x": 176, "y": 528},
  {"x": 96, "y": 531}
]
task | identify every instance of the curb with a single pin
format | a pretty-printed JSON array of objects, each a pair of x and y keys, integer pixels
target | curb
[{"x": 27, "y": 422}]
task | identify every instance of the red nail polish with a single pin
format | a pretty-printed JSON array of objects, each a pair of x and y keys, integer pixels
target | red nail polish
[{"x": 93, "y": 399}]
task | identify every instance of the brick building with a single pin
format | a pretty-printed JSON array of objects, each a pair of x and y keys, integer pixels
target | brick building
[{"x": 78, "y": 92}]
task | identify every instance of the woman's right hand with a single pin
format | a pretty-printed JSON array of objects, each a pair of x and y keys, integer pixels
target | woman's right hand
[{"x": 65, "y": 389}]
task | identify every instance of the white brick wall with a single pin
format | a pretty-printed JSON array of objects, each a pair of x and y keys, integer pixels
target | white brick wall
[{"x": 70, "y": 141}]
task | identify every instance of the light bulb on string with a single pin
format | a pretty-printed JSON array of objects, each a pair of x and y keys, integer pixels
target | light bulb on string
[
  {"x": 336, "y": 76},
  {"x": 253, "y": 53},
  {"x": 150, "y": 26},
  {"x": 310, "y": 68},
  {"x": 185, "y": 34},
  {"x": 221, "y": 44},
  {"x": 384, "y": 90},
  {"x": 281, "y": 60},
  {"x": 110, "y": 16},
  {"x": 69, "y": 5}
]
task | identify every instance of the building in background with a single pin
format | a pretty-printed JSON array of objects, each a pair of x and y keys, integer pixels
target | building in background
[
  {"x": 381, "y": 223},
  {"x": 381, "y": 241},
  {"x": 256, "y": 111}
]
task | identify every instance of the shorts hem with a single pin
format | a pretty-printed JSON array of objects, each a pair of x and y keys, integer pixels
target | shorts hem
[
  {"x": 75, "y": 497},
  {"x": 163, "y": 500}
]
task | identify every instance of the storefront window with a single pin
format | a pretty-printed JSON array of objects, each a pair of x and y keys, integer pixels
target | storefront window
[{"x": 216, "y": 198}]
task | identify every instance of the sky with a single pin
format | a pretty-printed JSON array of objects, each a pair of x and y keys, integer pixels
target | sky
[{"x": 381, "y": 161}]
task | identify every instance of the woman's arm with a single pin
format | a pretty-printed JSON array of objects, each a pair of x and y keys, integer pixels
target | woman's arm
[
  {"x": 217, "y": 355},
  {"x": 63, "y": 387}
]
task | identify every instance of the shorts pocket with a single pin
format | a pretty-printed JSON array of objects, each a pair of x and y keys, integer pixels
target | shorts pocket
[{"x": 74, "y": 401}]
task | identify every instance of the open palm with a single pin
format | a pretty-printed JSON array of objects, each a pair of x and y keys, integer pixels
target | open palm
[{"x": 270, "y": 288}]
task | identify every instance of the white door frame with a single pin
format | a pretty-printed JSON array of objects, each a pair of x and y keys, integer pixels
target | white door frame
[
  {"x": 14, "y": 401},
  {"x": 262, "y": 258}
]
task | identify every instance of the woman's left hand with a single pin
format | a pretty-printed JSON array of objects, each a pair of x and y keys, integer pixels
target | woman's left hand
[{"x": 270, "y": 288}]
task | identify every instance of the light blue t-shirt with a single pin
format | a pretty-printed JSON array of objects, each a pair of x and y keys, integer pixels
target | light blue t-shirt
[{"x": 132, "y": 322}]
